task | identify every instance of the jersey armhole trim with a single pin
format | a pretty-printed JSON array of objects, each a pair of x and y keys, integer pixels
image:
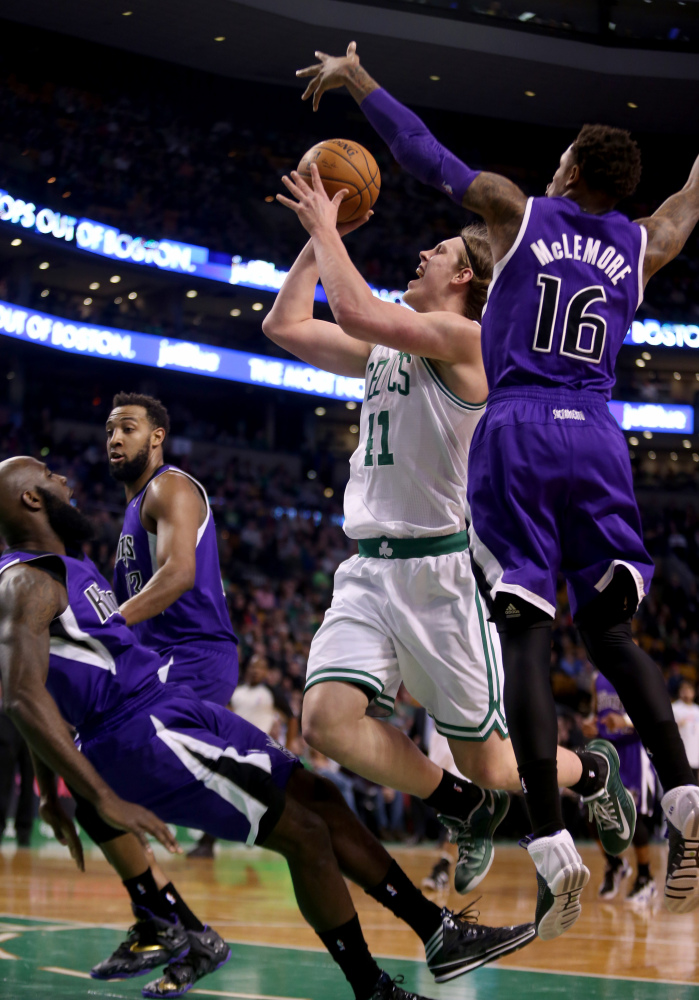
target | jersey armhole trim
[
  {"x": 463, "y": 403},
  {"x": 202, "y": 491},
  {"x": 497, "y": 270},
  {"x": 641, "y": 263}
]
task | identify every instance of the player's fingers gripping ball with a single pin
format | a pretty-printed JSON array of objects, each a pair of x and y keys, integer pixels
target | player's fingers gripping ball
[{"x": 344, "y": 164}]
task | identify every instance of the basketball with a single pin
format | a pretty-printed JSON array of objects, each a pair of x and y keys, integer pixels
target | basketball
[{"x": 345, "y": 164}]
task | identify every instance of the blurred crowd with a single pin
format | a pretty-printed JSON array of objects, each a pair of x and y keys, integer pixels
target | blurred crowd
[
  {"x": 280, "y": 541},
  {"x": 158, "y": 163}
]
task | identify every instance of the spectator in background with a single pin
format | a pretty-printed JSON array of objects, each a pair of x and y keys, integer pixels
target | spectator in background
[{"x": 687, "y": 715}]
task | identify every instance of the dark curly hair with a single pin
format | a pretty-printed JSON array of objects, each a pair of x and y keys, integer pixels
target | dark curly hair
[
  {"x": 155, "y": 411},
  {"x": 609, "y": 160}
]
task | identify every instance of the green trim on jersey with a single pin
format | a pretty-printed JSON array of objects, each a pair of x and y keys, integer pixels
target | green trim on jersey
[
  {"x": 346, "y": 674},
  {"x": 463, "y": 403},
  {"x": 385, "y": 702},
  {"x": 413, "y": 548},
  {"x": 474, "y": 734}
]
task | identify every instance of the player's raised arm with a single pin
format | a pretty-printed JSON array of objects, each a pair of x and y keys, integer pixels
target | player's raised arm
[
  {"x": 291, "y": 324},
  {"x": 441, "y": 336},
  {"x": 29, "y": 601},
  {"x": 670, "y": 227},
  {"x": 500, "y": 202}
]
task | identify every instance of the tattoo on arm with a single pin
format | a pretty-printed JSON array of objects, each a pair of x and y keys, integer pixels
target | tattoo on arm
[
  {"x": 671, "y": 225},
  {"x": 501, "y": 204},
  {"x": 359, "y": 83}
]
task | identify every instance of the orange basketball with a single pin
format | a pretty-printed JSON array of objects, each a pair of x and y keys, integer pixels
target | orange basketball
[{"x": 345, "y": 164}]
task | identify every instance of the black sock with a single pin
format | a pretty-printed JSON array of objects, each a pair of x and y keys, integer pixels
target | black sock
[
  {"x": 594, "y": 773},
  {"x": 453, "y": 796},
  {"x": 398, "y": 894},
  {"x": 144, "y": 892},
  {"x": 348, "y": 948},
  {"x": 178, "y": 906},
  {"x": 540, "y": 786},
  {"x": 612, "y": 862},
  {"x": 643, "y": 871}
]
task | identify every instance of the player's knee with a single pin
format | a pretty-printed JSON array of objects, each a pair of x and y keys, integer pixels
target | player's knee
[
  {"x": 325, "y": 722},
  {"x": 316, "y": 726},
  {"x": 604, "y": 644},
  {"x": 481, "y": 770},
  {"x": 305, "y": 836}
]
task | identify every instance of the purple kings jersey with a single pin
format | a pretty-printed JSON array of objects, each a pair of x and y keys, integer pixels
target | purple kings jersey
[
  {"x": 95, "y": 662},
  {"x": 200, "y": 616},
  {"x": 608, "y": 701},
  {"x": 561, "y": 301}
]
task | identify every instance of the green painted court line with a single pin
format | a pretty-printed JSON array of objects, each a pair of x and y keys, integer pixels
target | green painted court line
[{"x": 42, "y": 967}]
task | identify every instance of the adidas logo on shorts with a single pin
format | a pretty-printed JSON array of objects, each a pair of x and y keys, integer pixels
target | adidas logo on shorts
[{"x": 512, "y": 612}]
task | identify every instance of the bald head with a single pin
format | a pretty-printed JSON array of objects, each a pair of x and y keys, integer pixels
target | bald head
[
  {"x": 35, "y": 508},
  {"x": 17, "y": 476}
]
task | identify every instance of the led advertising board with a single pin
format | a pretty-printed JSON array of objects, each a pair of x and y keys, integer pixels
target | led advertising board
[
  {"x": 257, "y": 369},
  {"x": 174, "y": 355},
  {"x": 166, "y": 254}
]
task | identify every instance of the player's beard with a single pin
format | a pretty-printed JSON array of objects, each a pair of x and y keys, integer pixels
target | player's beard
[
  {"x": 131, "y": 469},
  {"x": 70, "y": 524}
]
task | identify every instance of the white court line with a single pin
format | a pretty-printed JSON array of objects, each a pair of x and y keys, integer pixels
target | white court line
[
  {"x": 209, "y": 993},
  {"x": 246, "y": 996},
  {"x": 596, "y": 975},
  {"x": 64, "y": 972},
  {"x": 396, "y": 958},
  {"x": 7, "y": 956}
]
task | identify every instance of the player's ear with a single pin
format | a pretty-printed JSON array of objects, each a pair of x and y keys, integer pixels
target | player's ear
[
  {"x": 158, "y": 436},
  {"x": 463, "y": 276},
  {"x": 574, "y": 176},
  {"x": 31, "y": 500}
]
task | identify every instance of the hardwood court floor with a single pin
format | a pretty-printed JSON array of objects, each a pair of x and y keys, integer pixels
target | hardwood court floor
[{"x": 56, "y": 923}]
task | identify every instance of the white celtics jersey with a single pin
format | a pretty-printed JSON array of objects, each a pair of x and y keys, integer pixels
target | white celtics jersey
[{"x": 408, "y": 474}]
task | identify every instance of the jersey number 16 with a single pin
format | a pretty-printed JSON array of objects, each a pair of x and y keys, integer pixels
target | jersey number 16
[{"x": 579, "y": 326}]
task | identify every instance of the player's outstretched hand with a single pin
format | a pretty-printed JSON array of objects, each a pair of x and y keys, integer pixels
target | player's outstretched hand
[
  {"x": 312, "y": 206},
  {"x": 135, "y": 819},
  {"x": 327, "y": 74},
  {"x": 51, "y": 811}
]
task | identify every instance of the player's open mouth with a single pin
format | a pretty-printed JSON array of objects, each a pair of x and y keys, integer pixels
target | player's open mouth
[{"x": 114, "y": 459}]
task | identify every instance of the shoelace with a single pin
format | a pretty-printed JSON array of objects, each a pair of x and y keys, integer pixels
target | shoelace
[
  {"x": 469, "y": 914},
  {"x": 460, "y": 834},
  {"x": 687, "y": 853},
  {"x": 398, "y": 981},
  {"x": 603, "y": 811}
]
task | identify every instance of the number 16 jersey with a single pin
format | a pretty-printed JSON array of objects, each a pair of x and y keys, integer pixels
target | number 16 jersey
[{"x": 562, "y": 299}]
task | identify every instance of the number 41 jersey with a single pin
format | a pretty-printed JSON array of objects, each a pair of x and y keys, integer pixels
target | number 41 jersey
[{"x": 562, "y": 300}]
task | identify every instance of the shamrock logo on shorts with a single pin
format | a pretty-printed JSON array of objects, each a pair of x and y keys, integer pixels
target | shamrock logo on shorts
[{"x": 385, "y": 550}]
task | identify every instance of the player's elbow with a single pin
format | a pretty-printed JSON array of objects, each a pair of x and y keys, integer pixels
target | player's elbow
[
  {"x": 18, "y": 705},
  {"x": 271, "y": 327},
  {"x": 355, "y": 321}
]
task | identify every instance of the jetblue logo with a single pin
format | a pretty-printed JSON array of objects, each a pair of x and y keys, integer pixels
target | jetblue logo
[{"x": 103, "y": 601}]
